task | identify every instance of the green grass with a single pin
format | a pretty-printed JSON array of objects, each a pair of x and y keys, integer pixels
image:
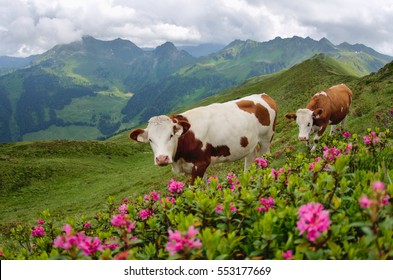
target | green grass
[
  {"x": 70, "y": 132},
  {"x": 72, "y": 177}
]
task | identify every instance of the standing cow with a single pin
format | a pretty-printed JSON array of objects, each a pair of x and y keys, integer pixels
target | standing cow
[
  {"x": 325, "y": 107},
  {"x": 228, "y": 131}
]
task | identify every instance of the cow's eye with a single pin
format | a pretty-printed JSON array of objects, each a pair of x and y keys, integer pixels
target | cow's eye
[
  {"x": 170, "y": 137},
  {"x": 150, "y": 140},
  {"x": 308, "y": 125}
]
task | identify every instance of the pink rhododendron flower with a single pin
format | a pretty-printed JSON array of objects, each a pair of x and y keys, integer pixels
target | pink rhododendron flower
[
  {"x": 123, "y": 209},
  {"x": 111, "y": 243},
  {"x": 175, "y": 186},
  {"x": 348, "y": 148},
  {"x": 122, "y": 221},
  {"x": 262, "y": 162},
  {"x": 153, "y": 196},
  {"x": 170, "y": 199},
  {"x": 385, "y": 200},
  {"x": 313, "y": 164},
  {"x": 232, "y": 208},
  {"x": 40, "y": 222},
  {"x": 90, "y": 245},
  {"x": 179, "y": 242},
  {"x": 331, "y": 153},
  {"x": 267, "y": 203},
  {"x": 233, "y": 181},
  {"x": 87, "y": 225},
  {"x": 313, "y": 220},
  {"x": 347, "y": 134},
  {"x": 211, "y": 178},
  {"x": 87, "y": 244},
  {"x": 219, "y": 209},
  {"x": 67, "y": 240},
  {"x": 145, "y": 213},
  {"x": 378, "y": 186},
  {"x": 276, "y": 173},
  {"x": 367, "y": 140},
  {"x": 288, "y": 255},
  {"x": 38, "y": 231},
  {"x": 365, "y": 202}
]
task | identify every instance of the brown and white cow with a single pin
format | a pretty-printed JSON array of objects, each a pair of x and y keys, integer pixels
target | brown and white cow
[
  {"x": 219, "y": 132},
  {"x": 326, "y": 107}
]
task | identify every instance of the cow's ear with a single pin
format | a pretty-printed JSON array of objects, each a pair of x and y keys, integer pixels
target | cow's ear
[
  {"x": 139, "y": 135},
  {"x": 317, "y": 113},
  {"x": 291, "y": 116},
  {"x": 181, "y": 127}
]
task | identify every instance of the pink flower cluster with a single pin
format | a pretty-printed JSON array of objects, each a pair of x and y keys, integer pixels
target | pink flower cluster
[
  {"x": 379, "y": 196},
  {"x": 232, "y": 208},
  {"x": 313, "y": 220},
  {"x": 233, "y": 181},
  {"x": 122, "y": 221},
  {"x": 261, "y": 162},
  {"x": 175, "y": 186},
  {"x": 179, "y": 242},
  {"x": 288, "y": 255},
  {"x": 372, "y": 139},
  {"x": 331, "y": 154},
  {"x": 146, "y": 213},
  {"x": 123, "y": 209},
  {"x": 38, "y": 231},
  {"x": 153, "y": 196},
  {"x": 87, "y": 244},
  {"x": 347, "y": 134},
  {"x": 277, "y": 173},
  {"x": 313, "y": 164},
  {"x": 267, "y": 203}
]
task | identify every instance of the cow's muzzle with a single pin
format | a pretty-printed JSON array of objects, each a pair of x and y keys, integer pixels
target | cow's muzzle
[
  {"x": 162, "y": 160},
  {"x": 303, "y": 138}
]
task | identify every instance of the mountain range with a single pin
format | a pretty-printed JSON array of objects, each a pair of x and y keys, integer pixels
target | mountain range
[{"x": 91, "y": 88}]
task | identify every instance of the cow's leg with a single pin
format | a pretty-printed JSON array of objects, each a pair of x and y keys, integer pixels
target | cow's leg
[
  {"x": 342, "y": 125},
  {"x": 317, "y": 137},
  {"x": 199, "y": 170},
  {"x": 250, "y": 159},
  {"x": 332, "y": 129}
]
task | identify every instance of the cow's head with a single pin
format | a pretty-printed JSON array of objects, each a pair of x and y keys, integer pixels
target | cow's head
[
  {"x": 305, "y": 120},
  {"x": 162, "y": 133}
]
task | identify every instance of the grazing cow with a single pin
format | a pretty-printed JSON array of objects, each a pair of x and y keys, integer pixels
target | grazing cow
[
  {"x": 325, "y": 107},
  {"x": 222, "y": 132}
]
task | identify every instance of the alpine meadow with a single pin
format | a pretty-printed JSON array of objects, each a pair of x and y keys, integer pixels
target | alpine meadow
[{"x": 80, "y": 198}]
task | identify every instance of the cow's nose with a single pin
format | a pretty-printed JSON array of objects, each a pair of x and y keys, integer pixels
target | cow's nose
[
  {"x": 303, "y": 138},
  {"x": 162, "y": 160}
]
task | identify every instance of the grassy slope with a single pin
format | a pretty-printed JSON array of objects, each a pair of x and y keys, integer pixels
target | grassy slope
[
  {"x": 71, "y": 177},
  {"x": 76, "y": 177}
]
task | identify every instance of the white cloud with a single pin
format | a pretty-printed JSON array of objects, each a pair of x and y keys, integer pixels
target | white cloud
[{"x": 33, "y": 26}]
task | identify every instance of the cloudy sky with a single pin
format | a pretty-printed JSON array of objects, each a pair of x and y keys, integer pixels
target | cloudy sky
[{"x": 34, "y": 26}]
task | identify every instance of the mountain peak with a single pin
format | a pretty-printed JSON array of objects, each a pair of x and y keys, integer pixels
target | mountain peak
[{"x": 166, "y": 47}]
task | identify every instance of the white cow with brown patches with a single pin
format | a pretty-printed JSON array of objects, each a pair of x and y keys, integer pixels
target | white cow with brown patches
[
  {"x": 229, "y": 131},
  {"x": 326, "y": 107}
]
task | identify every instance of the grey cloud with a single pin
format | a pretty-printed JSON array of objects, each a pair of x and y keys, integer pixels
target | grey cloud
[{"x": 33, "y": 26}]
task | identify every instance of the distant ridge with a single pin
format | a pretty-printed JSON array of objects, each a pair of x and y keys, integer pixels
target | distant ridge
[{"x": 92, "y": 89}]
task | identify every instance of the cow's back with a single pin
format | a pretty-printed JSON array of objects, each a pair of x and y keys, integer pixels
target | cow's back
[
  {"x": 335, "y": 102},
  {"x": 239, "y": 124}
]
